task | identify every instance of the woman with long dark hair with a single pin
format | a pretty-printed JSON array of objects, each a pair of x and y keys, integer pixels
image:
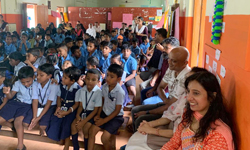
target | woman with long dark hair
[
  {"x": 140, "y": 30},
  {"x": 205, "y": 123}
]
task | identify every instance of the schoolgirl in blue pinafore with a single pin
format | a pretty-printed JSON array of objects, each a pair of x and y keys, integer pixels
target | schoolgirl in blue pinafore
[{"x": 60, "y": 128}]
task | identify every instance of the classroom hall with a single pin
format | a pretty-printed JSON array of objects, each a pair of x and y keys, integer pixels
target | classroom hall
[{"x": 124, "y": 74}]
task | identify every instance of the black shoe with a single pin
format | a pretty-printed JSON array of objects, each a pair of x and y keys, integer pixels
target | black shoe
[{"x": 24, "y": 148}]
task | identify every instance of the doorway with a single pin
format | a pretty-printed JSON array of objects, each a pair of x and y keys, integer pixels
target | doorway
[
  {"x": 59, "y": 20},
  {"x": 31, "y": 17}
]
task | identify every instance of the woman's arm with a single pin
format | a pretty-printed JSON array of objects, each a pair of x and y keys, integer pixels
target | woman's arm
[{"x": 175, "y": 141}]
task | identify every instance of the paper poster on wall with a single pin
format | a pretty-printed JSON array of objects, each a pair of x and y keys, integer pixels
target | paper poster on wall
[
  {"x": 207, "y": 59},
  {"x": 158, "y": 18},
  {"x": 117, "y": 25},
  {"x": 218, "y": 78},
  {"x": 103, "y": 26},
  {"x": 210, "y": 69},
  {"x": 159, "y": 12},
  {"x": 223, "y": 71},
  {"x": 127, "y": 18},
  {"x": 154, "y": 26},
  {"x": 214, "y": 66},
  {"x": 223, "y": 27},
  {"x": 151, "y": 18},
  {"x": 217, "y": 54},
  {"x": 109, "y": 16}
]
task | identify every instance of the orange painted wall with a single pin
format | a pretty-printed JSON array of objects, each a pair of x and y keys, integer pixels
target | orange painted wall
[
  {"x": 14, "y": 18},
  {"x": 186, "y": 32},
  {"x": 235, "y": 58},
  {"x": 51, "y": 19}
]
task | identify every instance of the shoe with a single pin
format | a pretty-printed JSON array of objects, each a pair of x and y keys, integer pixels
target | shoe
[{"x": 24, "y": 148}]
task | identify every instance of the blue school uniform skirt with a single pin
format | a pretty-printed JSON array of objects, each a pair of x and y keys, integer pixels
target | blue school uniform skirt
[
  {"x": 60, "y": 128},
  {"x": 45, "y": 120},
  {"x": 14, "y": 109}
]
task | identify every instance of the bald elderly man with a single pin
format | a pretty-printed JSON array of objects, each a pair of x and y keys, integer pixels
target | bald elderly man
[{"x": 173, "y": 79}]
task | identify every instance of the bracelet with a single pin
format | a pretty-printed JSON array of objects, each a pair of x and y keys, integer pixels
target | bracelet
[
  {"x": 72, "y": 109},
  {"x": 157, "y": 131}
]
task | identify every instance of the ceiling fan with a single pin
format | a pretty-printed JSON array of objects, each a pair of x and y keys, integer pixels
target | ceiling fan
[{"x": 126, "y": 2}]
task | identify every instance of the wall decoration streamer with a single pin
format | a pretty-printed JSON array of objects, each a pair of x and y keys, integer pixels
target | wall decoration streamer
[{"x": 217, "y": 21}]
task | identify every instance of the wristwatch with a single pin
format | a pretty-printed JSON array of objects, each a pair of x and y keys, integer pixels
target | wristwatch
[{"x": 147, "y": 112}]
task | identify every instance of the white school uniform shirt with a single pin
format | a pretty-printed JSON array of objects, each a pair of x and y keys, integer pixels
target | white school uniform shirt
[
  {"x": 176, "y": 84},
  {"x": 49, "y": 89},
  {"x": 38, "y": 62},
  {"x": 117, "y": 94},
  {"x": 73, "y": 86},
  {"x": 42, "y": 60},
  {"x": 94, "y": 100},
  {"x": 123, "y": 76},
  {"x": 24, "y": 94},
  {"x": 18, "y": 67}
]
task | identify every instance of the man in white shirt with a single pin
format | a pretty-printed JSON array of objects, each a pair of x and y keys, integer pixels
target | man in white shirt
[{"x": 174, "y": 79}]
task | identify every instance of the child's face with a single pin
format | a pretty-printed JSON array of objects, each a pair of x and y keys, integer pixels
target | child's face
[
  {"x": 103, "y": 38},
  {"x": 66, "y": 80},
  {"x": 121, "y": 32},
  {"x": 42, "y": 77},
  {"x": 37, "y": 30},
  {"x": 59, "y": 31},
  {"x": 112, "y": 78},
  {"x": 62, "y": 52},
  {"x": 107, "y": 38},
  {"x": 69, "y": 45},
  {"x": 31, "y": 58},
  {"x": 90, "y": 66},
  {"x": 91, "y": 80},
  {"x": 66, "y": 64},
  {"x": 91, "y": 47},
  {"x": 134, "y": 44},
  {"x": 8, "y": 40},
  {"x": 79, "y": 43},
  {"x": 147, "y": 40},
  {"x": 38, "y": 37},
  {"x": 120, "y": 41},
  {"x": 13, "y": 62},
  {"x": 47, "y": 38},
  {"x": 114, "y": 47},
  {"x": 86, "y": 36},
  {"x": 24, "y": 38},
  {"x": 127, "y": 53},
  {"x": 116, "y": 61},
  {"x": 27, "y": 82},
  {"x": 106, "y": 50},
  {"x": 52, "y": 50},
  {"x": 14, "y": 39},
  {"x": 113, "y": 34},
  {"x": 77, "y": 53}
]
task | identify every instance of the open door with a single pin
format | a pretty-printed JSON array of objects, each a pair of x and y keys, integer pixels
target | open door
[
  {"x": 24, "y": 16},
  {"x": 42, "y": 15}
]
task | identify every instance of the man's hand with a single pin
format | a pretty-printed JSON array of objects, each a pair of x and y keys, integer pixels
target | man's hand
[
  {"x": 140, "y": 113},
  {"x": 150, "y": 93}
]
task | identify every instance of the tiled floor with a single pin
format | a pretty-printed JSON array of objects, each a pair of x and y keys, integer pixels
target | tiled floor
[{"x": 33, "y": 141}]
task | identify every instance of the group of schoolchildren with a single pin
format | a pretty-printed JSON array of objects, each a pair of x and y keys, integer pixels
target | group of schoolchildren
[{"x": 64, "y": 85}]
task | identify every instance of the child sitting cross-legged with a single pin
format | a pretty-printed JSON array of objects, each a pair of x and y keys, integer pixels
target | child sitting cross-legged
[
  {"x": 90, "y": 98},
  {"x": 60, "y": 125},
  {"x": 110, "y": 116}
]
